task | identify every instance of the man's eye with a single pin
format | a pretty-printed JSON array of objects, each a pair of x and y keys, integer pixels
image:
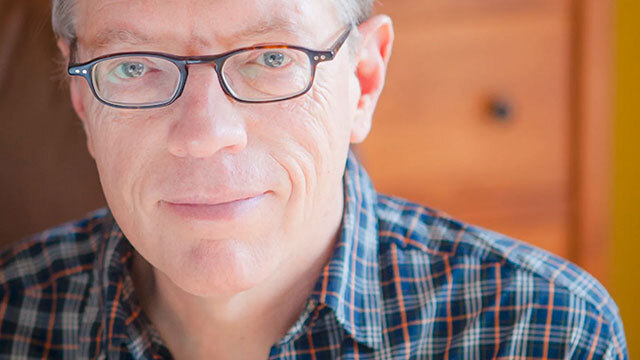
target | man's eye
[
  {"x": 274, "y": 59},
  {"x": 128, "y": 70}
]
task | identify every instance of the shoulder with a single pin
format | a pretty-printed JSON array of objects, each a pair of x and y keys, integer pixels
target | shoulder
[
  {"x": 56, "y": 254},
  {"x": 46, "y": 283},
  {"x": 422, "y": 231},
  {"x": 479, "y": 272}
]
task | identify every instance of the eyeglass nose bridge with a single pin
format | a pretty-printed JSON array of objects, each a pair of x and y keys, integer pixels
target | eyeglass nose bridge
[
  {"x": 215, "y": 61},
  {"x": 204, "y": 60}
]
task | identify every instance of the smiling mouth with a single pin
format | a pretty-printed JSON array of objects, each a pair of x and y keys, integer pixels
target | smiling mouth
[{"x": 214, "y": 211}]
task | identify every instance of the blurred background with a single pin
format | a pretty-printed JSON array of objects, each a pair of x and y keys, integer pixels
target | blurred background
[{"x": 517, "y": 115}]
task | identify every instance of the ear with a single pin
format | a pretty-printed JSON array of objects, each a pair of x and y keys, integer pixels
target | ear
[
  {"x": 371, "y": 68},
  {"x": 77, "y": 87}
]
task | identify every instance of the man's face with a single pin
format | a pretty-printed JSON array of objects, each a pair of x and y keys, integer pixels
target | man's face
[{"x": 216, "y": 194}]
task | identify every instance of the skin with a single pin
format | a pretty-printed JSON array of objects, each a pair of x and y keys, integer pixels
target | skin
[{"x": 228, "y": 287}]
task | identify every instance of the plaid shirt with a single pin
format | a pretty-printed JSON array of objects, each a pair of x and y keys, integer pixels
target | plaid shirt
[{"x": 405, "y": 282}]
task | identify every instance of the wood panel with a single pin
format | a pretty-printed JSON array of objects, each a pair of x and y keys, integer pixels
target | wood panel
[
  {"x": 475, "y": 117},
  {"x": 593, "y": 110},
  {"x": 450, "y": 10}
]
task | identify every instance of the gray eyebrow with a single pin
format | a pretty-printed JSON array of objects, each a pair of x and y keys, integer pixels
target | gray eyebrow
[
  {"x": 111, "y": 36},
  {"x": 280, "y": 24}
]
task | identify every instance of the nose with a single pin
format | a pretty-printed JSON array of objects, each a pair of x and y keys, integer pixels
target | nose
[{"x": 206, "y": 120}]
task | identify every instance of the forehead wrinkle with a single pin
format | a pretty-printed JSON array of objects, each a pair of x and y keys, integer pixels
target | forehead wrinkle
[
  {"x": 278, "y": 29},
  {"x": 195, "y": 37}
]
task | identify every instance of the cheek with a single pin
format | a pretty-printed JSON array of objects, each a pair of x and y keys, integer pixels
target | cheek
[
  {"x": 121, "y": 146},
  {"x": 323, "y": 125},
  {"x": 308, "y": 137}
]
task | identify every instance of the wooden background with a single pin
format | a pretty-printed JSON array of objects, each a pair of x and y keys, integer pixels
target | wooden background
[
  {"x": 499, "y": 113},
  {"x": 495, "y": 111},
  {"x": 47, "y": 175}
]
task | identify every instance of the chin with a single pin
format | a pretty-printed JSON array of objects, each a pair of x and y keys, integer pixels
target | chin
[{"x": 222, "y": 268}]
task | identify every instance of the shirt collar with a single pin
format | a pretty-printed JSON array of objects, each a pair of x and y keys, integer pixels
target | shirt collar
[{"x": 350, "y": 282}]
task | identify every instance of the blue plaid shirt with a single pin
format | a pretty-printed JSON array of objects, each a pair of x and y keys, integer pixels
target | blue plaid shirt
[{"x": 404, "y": 282}]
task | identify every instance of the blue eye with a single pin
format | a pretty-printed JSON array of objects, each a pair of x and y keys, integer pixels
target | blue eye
[
  {"x": 274, "y": 59},
  {"x": 131, "y": 69}
]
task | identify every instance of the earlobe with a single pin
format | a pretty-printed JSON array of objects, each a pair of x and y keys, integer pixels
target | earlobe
[
  {"x": 371, "y": 67},
  {"x": 362, "y": 124}
]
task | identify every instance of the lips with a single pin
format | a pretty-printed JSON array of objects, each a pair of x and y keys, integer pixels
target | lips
[{"x": 214, "y": 208}]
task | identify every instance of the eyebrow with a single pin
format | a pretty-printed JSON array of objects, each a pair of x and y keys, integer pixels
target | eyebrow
[
  {"x": 277, "y": 24},
  {"x": 131, "y": 36},
  {"x": 111, "y": 36}
]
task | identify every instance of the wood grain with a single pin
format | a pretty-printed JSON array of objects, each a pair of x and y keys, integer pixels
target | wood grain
[{"x": 436, "y": 141}]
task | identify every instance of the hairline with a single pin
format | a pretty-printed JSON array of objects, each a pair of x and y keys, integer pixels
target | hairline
[{"x": 351, "y": 12}]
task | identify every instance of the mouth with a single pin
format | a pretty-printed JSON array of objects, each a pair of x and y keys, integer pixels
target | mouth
[{"x": 214, "y": 210}]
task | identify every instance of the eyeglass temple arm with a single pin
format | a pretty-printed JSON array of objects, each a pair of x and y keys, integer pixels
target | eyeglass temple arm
[{"x": 341, "y": 40}]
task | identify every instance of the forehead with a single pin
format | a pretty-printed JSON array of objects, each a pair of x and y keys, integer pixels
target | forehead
[{"x": 203, "y": 23}]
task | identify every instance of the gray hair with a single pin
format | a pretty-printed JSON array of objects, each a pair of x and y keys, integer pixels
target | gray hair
[
  {"x": 62, "y": 19},
  {"x": 352, "y": 11}
]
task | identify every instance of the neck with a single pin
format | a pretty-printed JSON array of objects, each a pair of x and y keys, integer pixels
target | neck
[{"x": 243, "y": 325}]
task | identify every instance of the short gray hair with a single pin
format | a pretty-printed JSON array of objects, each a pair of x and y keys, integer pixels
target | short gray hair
[
  {"x": 62, "y": 20},
  {"x": 352, "y": 11}
]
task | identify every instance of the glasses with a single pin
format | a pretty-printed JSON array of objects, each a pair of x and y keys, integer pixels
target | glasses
[{"x": 260, "y": 74}]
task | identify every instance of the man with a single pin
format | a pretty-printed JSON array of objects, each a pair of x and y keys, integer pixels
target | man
[{"x": 239, "y": 225}]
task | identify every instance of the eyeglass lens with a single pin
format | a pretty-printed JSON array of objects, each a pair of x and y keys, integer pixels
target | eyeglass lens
[
  {"x": 136, "y": 80},
  {"x": 251, "y": 75},
  {"x": 267, "y": 74}
]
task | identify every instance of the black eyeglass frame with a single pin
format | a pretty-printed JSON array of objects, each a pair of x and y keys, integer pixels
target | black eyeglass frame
[{"x": 85, "y": 69}]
